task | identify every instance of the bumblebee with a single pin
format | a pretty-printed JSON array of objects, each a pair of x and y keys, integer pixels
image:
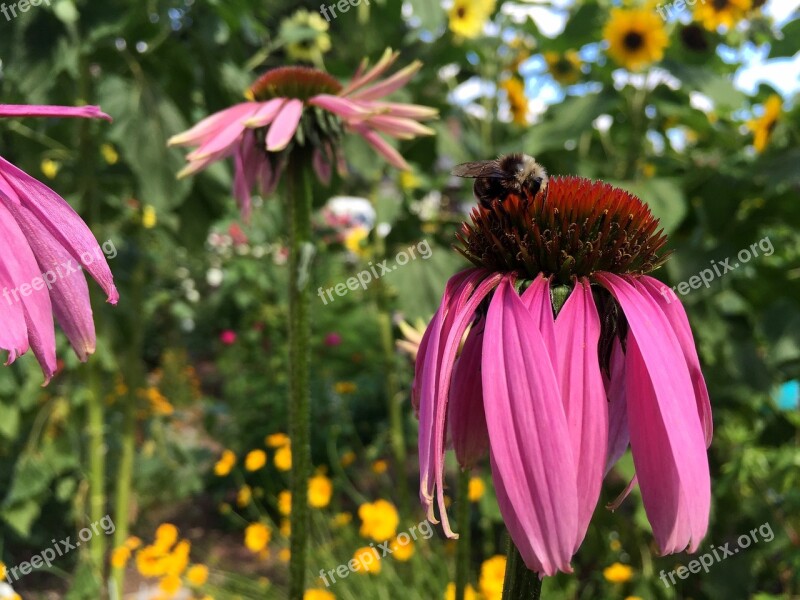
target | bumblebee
[{"x": 508, "y": 174}]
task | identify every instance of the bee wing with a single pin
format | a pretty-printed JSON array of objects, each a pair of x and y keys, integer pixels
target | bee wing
[{"x": 480, "y": 168}]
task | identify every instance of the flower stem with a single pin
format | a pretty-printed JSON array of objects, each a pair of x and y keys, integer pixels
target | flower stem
[
  {"x": 464, "y": 537},
  {"x": 298, "y": 211},
  {"x": 95, "y": 419},
  {"x": 520, "y": 582}
]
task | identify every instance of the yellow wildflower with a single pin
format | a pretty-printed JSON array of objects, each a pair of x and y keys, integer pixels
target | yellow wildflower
[
  {"x": 109, "y": 153},
  {"x": 379, "y": 467},
  {"x": 467, "y": 17},
  {"x": 197, "y": 575},
  {"x": 283, "y": 458},
  {"x": 402, "y": 550},
  {"x": 225, "y": 464},
  {"x": 493, "y": 572},
  {"x": 120, "y": 557},
  {"x": 367, "y": 560},
  {"x": 475, "y": 489},
  {"x": 318, "y": 594},
  {"x": 344, "y": 387},
  {"x": 379, "y": 520},
  {"x": 50, "y": 168},
  {"x": 170, "y": 584},
  {"x": 320, "y": 489},
  {"x": 256, "y": 537},
  {"x": 255, "y": 459},
  {"x": 450, "y": 592},
  {"x": 149, "y": 218},
  {"x": 518, "y": 101},
  {"x": 721, "y": 13},
  {"x": 244, "y": 496},
  {"x": 763, "y": 126},
  {"x": 166, "y": 536},
  {"x": 618, "y": 573},
  {"x": 564, "y": 68},
  {"x": 276, "y": 440},
  {"x": 285, "y": 503}
]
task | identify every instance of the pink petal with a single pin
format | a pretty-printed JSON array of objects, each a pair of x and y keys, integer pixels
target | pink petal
[
  {"x": 397, "y": 127},
  {"x": 667, "y": 441},
  {"x": 212, "y": 124},
  {"x": 399, "y": 109},
  {"x": 220, "y": 141},
  {"x": 25, "y": 295},
  {"x": 388, "y": 85},
  {"x": 60, "y": 220},
  {"x": 359, "y": 81},
  {"x": 43, "y": 110},
  {"x": 465, "y": 417},
  {"x": 669, "y": 303},
  {"x": 265, "y": 114},
  {"x": 383, "y": 147},
  {"x": 284, "y": 126},
  {"x": 321, "y": 166},
  {"x": 532, "y": 461},
  {"x": 537, "y": 300},
  {"x": 577, "y": 335},
  {"x": 618, "y": 435},
  {"x": 347, "y": 109}
]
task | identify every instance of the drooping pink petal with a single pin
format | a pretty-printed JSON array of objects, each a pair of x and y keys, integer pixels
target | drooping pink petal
[
  {"x": 212, "y": 124},
  {"x": 25, "y": 295},
  {"x": 404, "y": 129},
  {"x": 669, "y": 303},
  {"x": 60, "y": 220},
  {"x": 382, "y": 146},
  {"x": 577, "y": 332},
  {"x": 68, "y": 289},
  {"x": 322, "y": 167},
  {"x": 618, "y": 435},
  {"x": 246, "y": 162},
  {"x": 284, "y": 126},
  {"x": 222, "y": 140},
  {"x": 265, "y": 114},
  {"x": 532, "y": 460},
  {"x": 466, "y": 417},
  {"x": 398, "y": 109},
  {"x": 667, "y": 440},
  {"x": 537, "y": 300},
  {"x": 61, "y": 112}
]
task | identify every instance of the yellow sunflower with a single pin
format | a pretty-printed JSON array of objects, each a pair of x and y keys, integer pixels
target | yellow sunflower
[
  {"x": 763, "y": 126},
  {"x": 565, "y": 68},
  {"x": 515, "y": 90},
  {"x": 468, "y": 16},
  {"x": 636, "y": 37},
  {"x": 721, "y": 13}
]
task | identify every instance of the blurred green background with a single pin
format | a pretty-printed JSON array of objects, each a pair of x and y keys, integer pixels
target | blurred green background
[{"x": 192, "y": 361}]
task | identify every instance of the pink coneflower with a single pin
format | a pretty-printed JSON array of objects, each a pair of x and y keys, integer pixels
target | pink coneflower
[
  {"x": 228, "y": 337},
  {"x": 300, "y": 106},
  {"x": 46, "y": 245},
  {"x": 555, "y": 400}
]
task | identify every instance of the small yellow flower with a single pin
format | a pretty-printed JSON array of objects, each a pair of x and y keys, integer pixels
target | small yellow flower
[
  {"x": 166, "y": 536},
  {"x": 467, "y": 17},
  {"x": 345, "y": 387},
  {"x": 151, "y": 562},
  {"x": 648, "y": 170},
  {"x": 450, "y": 592},
  {"x": 149, "y": 218},
  {"x": 120, "y": 557},
  {"x": 276, "y": 440},
  {"x": 348, "y": 458},
  {"x": 475, "y": 489},
  {"x": 636, "y": 37},
  {"x": 50, "y": 168},
  {"x": 315, "y": 40},
  {"x": 564, "y": 68},
  {"x": 633, "y": 598},
  {"x": 721, "y": 13},
  {"x": 518, "y": 101},
  {"x": 244, "y": 496},
  {"x": 285, "y": 503},
  {"x": 256, "y": 537},
  {"x": 615, "y": 545},
  {"x": 367, "y": 560},
  {"x": 493, "y": 572},
  {"x": 317, "y": 594},
  {"x": 2, "y": 570},
  {"x": 354, "y": 238},
  {"x": 158, "y": 402},
  {"x": 379, "y": 520},
  {"x": 409, "y": 181},
  {"x": 343, "y": 518},
  {"x": 178, "y": 559},
  {"x": 320, "y": 489},
  {"x": 109, "y": 153},
  {"x": 197, "y": 575},
  {"x": 286, "y": 528},
  {"x": 402, "y": 550},
  {"x": 170, "y": 584},
  {"x": 379, "y": 467},
  {"x": 255, "y": 459},
  {"x": 763, "y": 126},
  {"x": 284, "y": 555},
  {"x": 618, "y": 573},
  {"x": 283, "y": 458}
]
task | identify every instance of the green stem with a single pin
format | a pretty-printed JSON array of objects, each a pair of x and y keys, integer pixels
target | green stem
[
  {"x": 95, "y": 420},
  {"x": 520, "y": 582},
  {"x": 464, "y": 537},
  {"x": 298, "y": 210}
]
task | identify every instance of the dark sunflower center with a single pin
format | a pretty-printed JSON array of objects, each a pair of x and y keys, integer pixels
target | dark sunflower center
[
  {"x": 694, "y": 38},
  {"x": 564, "y": 67},
  {"x": 574, "y": 228},
  {"x": 461, "y": 12},
  {"x": 720, "y": 5},
  {"x": 633, "y": 40},
  {"x": 294, "y": 82}
]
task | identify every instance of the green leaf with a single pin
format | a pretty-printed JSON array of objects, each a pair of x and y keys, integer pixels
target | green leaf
[
  {"x": 787, "y": 45},
  {"x": 430, "y": 14}
]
